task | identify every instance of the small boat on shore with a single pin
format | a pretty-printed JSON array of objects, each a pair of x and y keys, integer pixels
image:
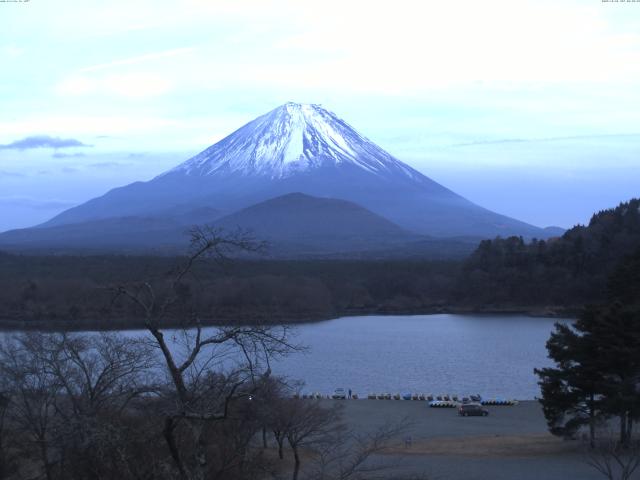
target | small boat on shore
[
  {"x": 442, "y": 404},
  {"x": 499, "y": 402}
]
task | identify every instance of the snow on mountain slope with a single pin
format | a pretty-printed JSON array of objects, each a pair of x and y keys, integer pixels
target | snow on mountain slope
[{"x": 293, "y": 138}]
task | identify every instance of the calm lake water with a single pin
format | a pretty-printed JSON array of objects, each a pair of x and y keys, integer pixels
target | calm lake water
[{"x": 493, "y": 355}]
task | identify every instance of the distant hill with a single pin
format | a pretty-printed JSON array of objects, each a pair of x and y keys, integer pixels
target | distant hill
[
  {"x": 293, "y": 225},
  {"x": 568, "y": 270},
  {"x": 301, "y": 222}
]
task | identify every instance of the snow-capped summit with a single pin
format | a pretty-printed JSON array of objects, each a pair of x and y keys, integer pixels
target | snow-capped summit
[
  {"x": 292, "y": 138},
  {"x": 305, "y": 149}
]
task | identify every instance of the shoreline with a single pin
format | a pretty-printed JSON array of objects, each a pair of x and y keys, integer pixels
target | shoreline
[{"x": 558, "y": 312}]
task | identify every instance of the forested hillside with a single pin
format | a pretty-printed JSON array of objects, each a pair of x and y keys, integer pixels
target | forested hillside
[
  {"x": 558, "y": 276},
  {"x": 566, "y": 271},
  {"x": 74, "y": 291}
]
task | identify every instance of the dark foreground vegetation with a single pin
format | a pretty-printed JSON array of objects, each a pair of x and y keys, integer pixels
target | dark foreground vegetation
[
  {"x": 184, "y": 404},
  {"x": 597, "y": 376},
  {"x": 557, "y": 276},
  {"x": 82, "y": 406}
]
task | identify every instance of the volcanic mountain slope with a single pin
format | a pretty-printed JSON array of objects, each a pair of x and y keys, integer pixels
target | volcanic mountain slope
[{"x": 301, "y": 148}]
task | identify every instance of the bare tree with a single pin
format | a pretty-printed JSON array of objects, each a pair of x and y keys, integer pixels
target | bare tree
[
  {"x": 269, "y": 396},
  {"x": 614, "y": 460},
  {"x": 66, "y": 400},
  {"x": 278, "y": 421},
  {"x": 349, "y": 455},
  {"x": 96, "y": 372},
  {"x": 189, "y": 355},
  {"x": 308, "y": 424},
  {"x": 32, "y": 393},
  {"x": 6, "y": 462}
]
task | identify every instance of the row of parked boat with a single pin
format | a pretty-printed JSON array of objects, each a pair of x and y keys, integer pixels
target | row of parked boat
[
  {"x": 318, "y": 396},
  {"x": 427, "y": 397},
  {"x": 435, "y": 401},
  {"x": 455, "y": 404}
]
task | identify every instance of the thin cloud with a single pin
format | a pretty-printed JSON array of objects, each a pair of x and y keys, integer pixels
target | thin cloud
[
  {"x": 107, "y": 164},
  {"x": 139, "y": 59},
  {"x": 68, "y": 155},
  {"x": 544, "y": 139},
  {"x": 43, "y": 141},
  {"x": 13, "y": 51},
  {"x": 132, "y": 85},
  {"x": 4, "y": 173}
]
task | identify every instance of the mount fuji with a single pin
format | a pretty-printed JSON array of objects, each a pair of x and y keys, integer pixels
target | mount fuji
[{"x": 295, "y": 148}]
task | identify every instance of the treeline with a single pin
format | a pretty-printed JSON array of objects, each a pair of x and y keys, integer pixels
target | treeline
[
  {"x": 568, "y": 271},
  {"x": 555, "y": 276},
  {"x": 73, "y": 292}
]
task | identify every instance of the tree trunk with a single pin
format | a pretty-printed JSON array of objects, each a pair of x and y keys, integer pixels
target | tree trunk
[
  {"x": 169, "y": 427},
  {"x": 45, "y": 460},
  {"x": 280, "y": 441},
  {"x": 200, "y": 451},
  {"x": 623, "y": 428},
  {"x": 174, "y": 371},
  {"x": 296, "y": 465},
  {"x": 264, "y": 437},
  {"x": 592, "y": 422}
]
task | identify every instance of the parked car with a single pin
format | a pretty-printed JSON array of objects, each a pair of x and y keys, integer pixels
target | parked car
[
  {"x": 339, "y": 394},
  {"x": 472, "y": 410}
]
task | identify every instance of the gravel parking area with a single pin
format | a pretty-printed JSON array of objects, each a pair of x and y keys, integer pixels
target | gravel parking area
[{"x": 511, "y": 443}]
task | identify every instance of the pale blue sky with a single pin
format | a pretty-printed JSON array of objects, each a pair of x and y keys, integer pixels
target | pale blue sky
[{"x": 444, "y": 86}]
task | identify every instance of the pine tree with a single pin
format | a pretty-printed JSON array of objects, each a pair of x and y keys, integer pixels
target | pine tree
[
  {"x": 597, "y": 371},
  {"x": 570, "y": 392}
]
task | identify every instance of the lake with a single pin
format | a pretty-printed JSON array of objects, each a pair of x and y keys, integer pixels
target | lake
[{"x": 493, "y": 355}]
